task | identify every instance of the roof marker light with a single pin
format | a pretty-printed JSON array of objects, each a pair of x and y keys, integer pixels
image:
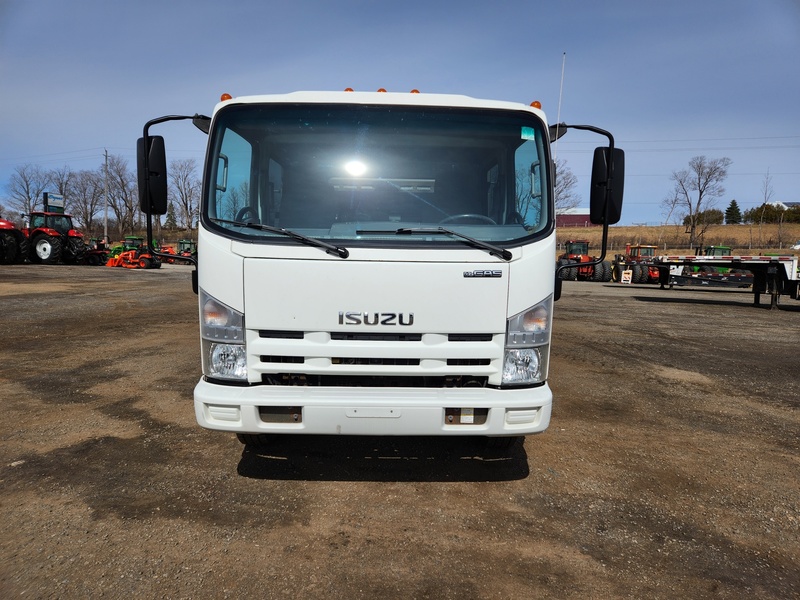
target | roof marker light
[
  {"x": 383, "y": 90},
  {"x": 415, "y": 91},
  {"x": 536, "y": 104},
  {"x": 225, "y": 96},
  {"x": 348, "y": 89}
]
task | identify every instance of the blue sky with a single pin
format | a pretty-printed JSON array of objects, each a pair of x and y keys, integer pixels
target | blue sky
[{"x": 670, "y": 80}]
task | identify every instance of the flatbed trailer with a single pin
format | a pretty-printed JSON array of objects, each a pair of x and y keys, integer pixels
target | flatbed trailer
[{"x": 773, "y": 275}]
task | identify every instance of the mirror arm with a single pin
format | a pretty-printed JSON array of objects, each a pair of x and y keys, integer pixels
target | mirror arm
[
  {"x": 146, "y": 163},
  {"x": 609, "y": 184}
]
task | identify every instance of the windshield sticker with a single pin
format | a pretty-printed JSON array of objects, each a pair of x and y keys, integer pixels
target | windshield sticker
[{"x": 528, "y": 133}]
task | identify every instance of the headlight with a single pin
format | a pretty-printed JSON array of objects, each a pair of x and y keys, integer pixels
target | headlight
[
  {"x": 222, "y": 338},
  {"x": 227, "y": 361},
  {"x": 528, "y": 345}
]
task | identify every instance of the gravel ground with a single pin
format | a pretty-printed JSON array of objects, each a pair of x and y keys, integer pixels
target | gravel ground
[{"x": 671, "y": 468}]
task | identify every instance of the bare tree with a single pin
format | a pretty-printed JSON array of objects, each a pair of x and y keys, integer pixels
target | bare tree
[
  {"x": 26, "y": 186},
  {"x": 766, "y": 195},
  {"x": 566, "y": 198},
  {"x": 86, "y": 196},
  {"x": 123, "y": 197},
  {"x": 695, "y": 191},
  {"x": 61, "y": 179},
  {"x": 184, "y": 188}
]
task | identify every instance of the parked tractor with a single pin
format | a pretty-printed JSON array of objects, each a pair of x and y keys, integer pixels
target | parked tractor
[
  {"x": 187, "y": 248},
  {"x": 13, "y": 243},
  {"x": 639, "y": 259},
  {"x": 577, "y": 252},
  {"x": 130, "y": 242},
  {"x": 52, "y": 238},
  {"x": 134, "y": 254}
]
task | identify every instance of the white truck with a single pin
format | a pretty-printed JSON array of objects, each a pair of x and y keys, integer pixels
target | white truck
[{"x": 375, "y": 263}]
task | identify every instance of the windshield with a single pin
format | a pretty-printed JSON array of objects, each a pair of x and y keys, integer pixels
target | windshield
[{"x": 362, "y": 173}]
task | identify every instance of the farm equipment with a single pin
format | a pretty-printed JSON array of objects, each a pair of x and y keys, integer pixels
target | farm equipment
[
  {"x": 709, "y": 274},
  {"x": 187, "y": 248},
  {"x": 51, "y": 238},
  {"x": 130, "y": 242},
  {"x": 166, "y": 250},
  {"x": 577, "y": 253},
  {"x": 13, "y": 244},
  {"x": 639, "y": 259},
  {"x": 97, "y": 253},
  {"x": 134, "y": 254}
]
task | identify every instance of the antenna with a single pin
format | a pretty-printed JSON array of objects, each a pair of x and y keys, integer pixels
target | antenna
[{"x": 560, "y": 94}]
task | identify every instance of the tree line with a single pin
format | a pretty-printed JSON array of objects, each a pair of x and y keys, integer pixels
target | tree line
[
  {"x": 733, "y": 215},
  {"x": 85, "y": 193}
]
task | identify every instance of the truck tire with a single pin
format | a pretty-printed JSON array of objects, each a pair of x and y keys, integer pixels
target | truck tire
[
  {"x": 504, "y": 443},
  {"x": 254, "y": 440},
  {"x": 46, "y": 249}
]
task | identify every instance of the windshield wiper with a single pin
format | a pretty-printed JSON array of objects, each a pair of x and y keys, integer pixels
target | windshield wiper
[
  {"x": 491, "y": 249},
  {"x": 304, "y": 239}
]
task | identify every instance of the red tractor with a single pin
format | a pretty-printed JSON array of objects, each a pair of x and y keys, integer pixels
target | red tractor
[
  {"x": 577, "y": 252},
  {"x": 51, "y": 238},
  {"x": 13, "y": 243},
  {"x": 638, "y": 259}
]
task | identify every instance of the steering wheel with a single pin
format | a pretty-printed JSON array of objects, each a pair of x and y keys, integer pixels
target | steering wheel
[
  {"x": 247, "y": 210},
  {"x": 473, "y": 216}
]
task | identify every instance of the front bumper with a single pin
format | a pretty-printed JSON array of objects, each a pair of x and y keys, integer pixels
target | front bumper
[{"x": 373, "y": 411}]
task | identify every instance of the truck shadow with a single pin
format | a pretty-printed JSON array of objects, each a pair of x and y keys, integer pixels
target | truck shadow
[{"x": 368, "y": 458}]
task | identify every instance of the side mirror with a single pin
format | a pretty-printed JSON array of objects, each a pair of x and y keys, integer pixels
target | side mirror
[
  {"x": 153, "y": 179},
  {"x": 608, "y": 179}
]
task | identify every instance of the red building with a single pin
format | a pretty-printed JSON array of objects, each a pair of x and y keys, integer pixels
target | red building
[{"x": 574, "y": 218}]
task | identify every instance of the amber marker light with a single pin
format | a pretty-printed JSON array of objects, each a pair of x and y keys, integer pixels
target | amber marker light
[
  {"x": 415, "y": 91},
  {"x": 225, "y": 96},
  {"x": 348, "y": 89},
  {"x": 382, "y": 90},
  {"x": 536, "y": 104}
]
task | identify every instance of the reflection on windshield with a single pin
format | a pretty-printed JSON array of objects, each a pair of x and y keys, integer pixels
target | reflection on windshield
[{"x": 336, "y": 172}]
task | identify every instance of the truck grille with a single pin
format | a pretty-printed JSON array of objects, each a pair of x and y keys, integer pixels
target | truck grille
[{"x": 375, "y": 359}]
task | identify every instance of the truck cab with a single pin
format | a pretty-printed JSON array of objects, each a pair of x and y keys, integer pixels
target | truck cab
[{"x": 376, "y": 263}]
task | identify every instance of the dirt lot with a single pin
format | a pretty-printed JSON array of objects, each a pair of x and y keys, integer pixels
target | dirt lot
[{"x": 671, "y": 468}]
